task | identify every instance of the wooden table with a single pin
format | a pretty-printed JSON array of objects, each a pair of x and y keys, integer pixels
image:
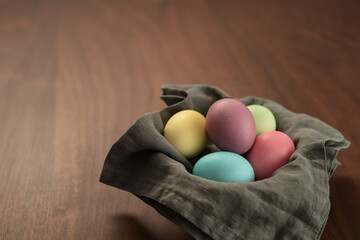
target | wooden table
[{"x": 74, "y": 75}]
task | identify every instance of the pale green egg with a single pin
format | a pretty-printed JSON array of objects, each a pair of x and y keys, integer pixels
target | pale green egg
[{"x": 264, "y": 119}]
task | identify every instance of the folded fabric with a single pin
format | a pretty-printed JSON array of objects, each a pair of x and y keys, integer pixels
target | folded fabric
[{"x": 292, "y": 204}]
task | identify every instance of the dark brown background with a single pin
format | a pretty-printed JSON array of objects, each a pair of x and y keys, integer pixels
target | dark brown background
[{"x": 74, "y": 75}]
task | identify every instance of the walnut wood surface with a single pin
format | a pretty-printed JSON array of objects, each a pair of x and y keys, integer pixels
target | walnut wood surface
[{"x": 74, "y": 75}]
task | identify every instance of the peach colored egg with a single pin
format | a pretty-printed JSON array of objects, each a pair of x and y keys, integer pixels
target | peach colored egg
[{"x": 271, "y": 151}]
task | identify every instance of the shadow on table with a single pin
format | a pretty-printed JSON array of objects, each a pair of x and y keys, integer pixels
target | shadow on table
[
  {"x": 344, "y": 214},
  {"x": 128, "y": 227}
]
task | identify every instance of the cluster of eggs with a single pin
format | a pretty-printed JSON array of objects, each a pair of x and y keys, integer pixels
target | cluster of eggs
[{"x": 251, "y": 148}]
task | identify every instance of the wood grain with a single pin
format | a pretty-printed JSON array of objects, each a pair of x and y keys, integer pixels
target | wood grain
[{"x": 74, "y": 75}]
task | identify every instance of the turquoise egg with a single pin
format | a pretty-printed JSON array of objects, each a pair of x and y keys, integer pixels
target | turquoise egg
[{"x": 224, "y": 167}]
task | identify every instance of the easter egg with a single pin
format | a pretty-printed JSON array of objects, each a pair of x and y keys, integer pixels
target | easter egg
[
  {"x": 271, "y": 150},
  {"x": 264, "y": 119},
  {"x": 230, "y": 125},
  {"x": 224, "y": 167},
  {"x": 186, "y": 132}
]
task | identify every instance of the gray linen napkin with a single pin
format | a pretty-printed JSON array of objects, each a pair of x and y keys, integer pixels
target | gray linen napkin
[{"x": 292, "y": 204}]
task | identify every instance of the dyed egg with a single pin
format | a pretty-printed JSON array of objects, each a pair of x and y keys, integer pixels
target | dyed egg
[
  {"x": 224, "y": 167},
  {"x": 230, "y": 125},
  {"x": 186, "y": 132},
  {"x": 271, "y": 150},
  {"x": 264, "y": 119}
]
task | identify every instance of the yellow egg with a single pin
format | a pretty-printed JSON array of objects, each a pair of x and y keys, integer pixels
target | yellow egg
[{"x": 186, "y": 132}]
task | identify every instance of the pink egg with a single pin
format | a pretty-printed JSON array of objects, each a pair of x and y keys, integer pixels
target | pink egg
[
  {"x": 271, "y": 150},
  {"x": 231, "y": 126}
]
